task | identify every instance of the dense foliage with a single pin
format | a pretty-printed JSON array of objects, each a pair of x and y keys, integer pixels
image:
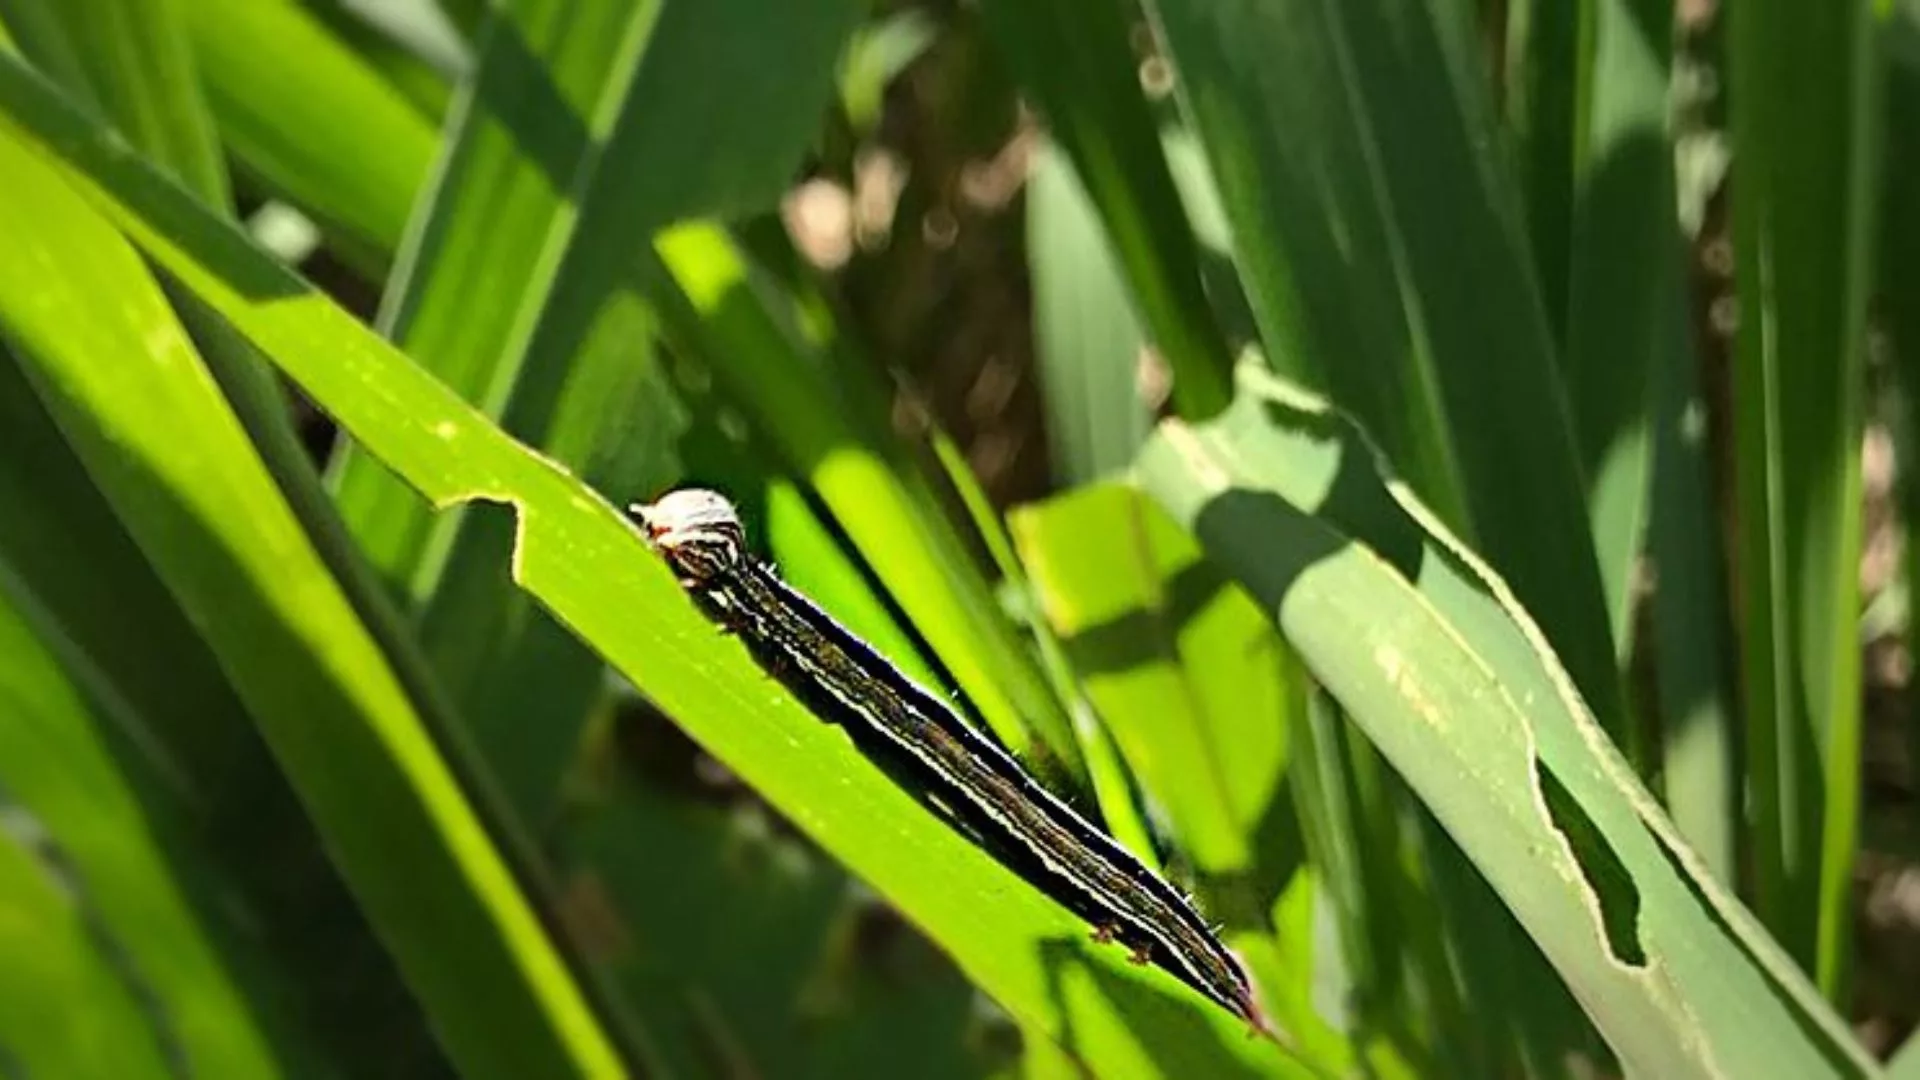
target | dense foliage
[{"x": 1397, "y": 464}]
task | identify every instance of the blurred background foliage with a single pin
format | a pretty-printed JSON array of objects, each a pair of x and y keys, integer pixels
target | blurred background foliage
[{"x": 1431, "y": 475}]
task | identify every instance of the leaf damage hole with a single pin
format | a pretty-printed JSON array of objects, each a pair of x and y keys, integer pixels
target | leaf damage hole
[{"x": 1607, "y": 879}]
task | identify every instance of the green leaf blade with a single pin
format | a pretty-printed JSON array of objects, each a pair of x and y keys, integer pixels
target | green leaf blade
[
  {"x": 1802, "y": 227},
  {"x": 1351, "y": 233},
  {"x": 1434, "y": 660},
  {"x": 116, "y": 833},
  {"x": 322, "y": 692}
]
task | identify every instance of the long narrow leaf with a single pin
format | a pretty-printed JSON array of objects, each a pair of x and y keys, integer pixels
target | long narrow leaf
[
  {"x": 1435, "y": 661},
  {"x": 1088, "y": 344},
  {"x": 64, "y": 557},
  {"x": 1803, "y": 87},
  {"x": 546, "y": 198},
  {"x": 1352, "y": 230},
  {"x": 134, "y": 58},
  {"x": 1624, "y": 315},
  {"x": 196, "y": 496},
  {"x": 55, "y": 961},
  {"x": 312, "y": 120},
  {"x": 115, "y": 833},
  {"x": 1075, "y": 61}
]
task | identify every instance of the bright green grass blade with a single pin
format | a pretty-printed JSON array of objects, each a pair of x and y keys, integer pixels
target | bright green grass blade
[
  {"x": 1188, "y": 676},
  {"x": 1076, "y": 62},
  {"x": 223, "y": 742},
  {"x": 119, "y": 827},
  {"x": 714, "y": 298},
  {"x": 1435, "y": 661},
  {"x": 63, "y": 553},
  {"x": 1199, "y": 710},
  {"x": 540, "y": 234},
  {"x": 250, "y": 387},
  {"x": 469, "y": 287},
  {"x": 590, "y": 569},
  {"x": 1361, "y": 166},
  {"x": 244, "y": 377},
  {"x": 128, "y": 390},
  {"x": 66, "y": 558},
  {"x": 134, "y": 59},
  {"x": 1089, "y": 346},
  {"x": 53, "y": 962},
  {"x": 1802, "y": 91},
  {"x": 312, "y": 120}
]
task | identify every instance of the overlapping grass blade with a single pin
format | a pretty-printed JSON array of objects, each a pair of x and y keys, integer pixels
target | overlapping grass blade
[
  {"x": 1352, "y": 232},
  {"x": 193, "y": 492},
  {"x": 1188, "y": 676},
  {"x": 1692, "y": 636},
  {"x": 162, "y": 108},
  {"x": 522, "y": 289},
  {"x": 135, "y": 62},
  {"x": 65, "y": 558},
  {"x": 1088, "y": 344},
  {"x": 1547, "y": 68},
  {"x": 1803, "y": 88},
  {"x": 1433, "y": 658},
  {"x": 312, "y": 121},
  {"x": 114, "y": 849},
  {"x": 1076, "y": 63}
]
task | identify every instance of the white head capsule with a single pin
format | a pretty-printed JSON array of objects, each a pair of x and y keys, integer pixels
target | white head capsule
[{"x": 698, "y": 531}]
